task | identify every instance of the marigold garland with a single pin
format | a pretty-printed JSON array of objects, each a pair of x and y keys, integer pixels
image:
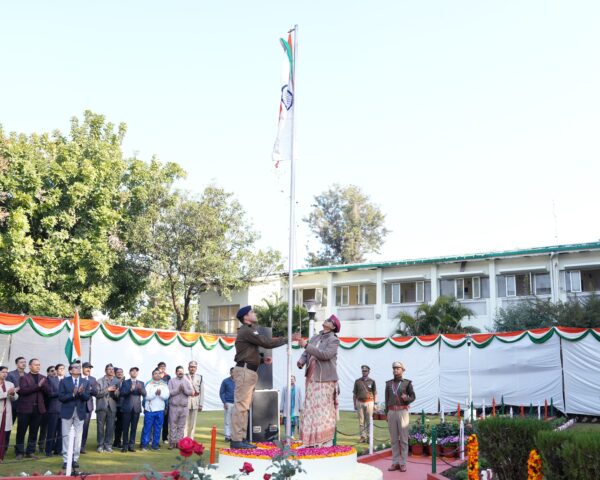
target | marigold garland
[
  {"x": 534, "y": 466},
  {"x": 268, "y": 451},
  {"x": 473, "y": 458}
]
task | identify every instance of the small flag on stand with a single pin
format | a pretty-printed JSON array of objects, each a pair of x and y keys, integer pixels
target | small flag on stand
[
  {"x": 522, "y": 411},
  {"x": 73, "y": 346}
]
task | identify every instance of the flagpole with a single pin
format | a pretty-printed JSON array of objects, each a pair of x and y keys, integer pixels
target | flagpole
[{"x": 288, "y": 406}]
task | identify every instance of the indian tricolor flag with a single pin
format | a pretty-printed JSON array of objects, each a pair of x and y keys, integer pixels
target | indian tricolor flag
[
  {"x": 283, "y": 143},
  {"x": 73, "y": 346}
]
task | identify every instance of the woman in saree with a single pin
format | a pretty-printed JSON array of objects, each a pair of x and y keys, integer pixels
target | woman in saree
[{"x": 317, "y": 424}]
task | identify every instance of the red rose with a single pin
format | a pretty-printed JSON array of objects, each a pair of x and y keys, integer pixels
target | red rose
[
  {"x": 247, "y": 468},
  {"x": 174, "y": 474},
  {"x": 267, "y": 476},
  {"x": 198, "y": 449},
  {"x": 186, "y": 447}
]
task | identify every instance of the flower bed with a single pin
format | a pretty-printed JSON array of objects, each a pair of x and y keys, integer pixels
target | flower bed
[{"x": 267, "y": 451}]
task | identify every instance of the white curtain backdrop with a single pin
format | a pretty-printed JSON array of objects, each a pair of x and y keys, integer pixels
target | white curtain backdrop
[
  {"x": 582, "y": 375},
  {"x": 523, "y": 372}
]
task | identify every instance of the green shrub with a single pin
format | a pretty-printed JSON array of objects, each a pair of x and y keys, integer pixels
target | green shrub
[
  {"x": 581, "y": 456},
  {"x": 550, "y": 446},
  {"x": 506, "y": 443}
]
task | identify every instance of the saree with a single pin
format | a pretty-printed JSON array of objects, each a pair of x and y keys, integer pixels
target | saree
[{"x": 318, "y": 420}]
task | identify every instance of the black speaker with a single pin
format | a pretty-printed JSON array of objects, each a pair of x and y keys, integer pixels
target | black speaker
[
  {"x": 264, "y": 416},
  {"x": 265, "y": 372}
]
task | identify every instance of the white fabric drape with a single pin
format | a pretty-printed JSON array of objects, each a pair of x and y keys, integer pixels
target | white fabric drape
[
  {"x": 522, "y": 371},
  {"x": 582, "y": 375}
]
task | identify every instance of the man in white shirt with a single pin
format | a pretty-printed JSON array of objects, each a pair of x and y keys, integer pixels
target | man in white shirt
[{"x": 157, "y": 394}]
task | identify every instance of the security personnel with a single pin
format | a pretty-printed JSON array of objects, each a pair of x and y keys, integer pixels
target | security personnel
[
  {"x": 399, "y": 394},
  {"x": 365, "y": 396},
  {"x": 247, "y": 360}
]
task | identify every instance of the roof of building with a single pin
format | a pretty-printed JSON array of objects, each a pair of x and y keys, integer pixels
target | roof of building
[{"x": 573, "y": 247}]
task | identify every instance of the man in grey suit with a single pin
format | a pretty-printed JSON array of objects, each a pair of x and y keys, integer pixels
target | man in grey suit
[
  {"x": 106, "y": 409},
  {"x": 73, "y": 394},
  {"x": 131, "y": 394}
]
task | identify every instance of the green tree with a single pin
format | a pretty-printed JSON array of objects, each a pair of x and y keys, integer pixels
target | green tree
[
  {"x": 347, "y": 224},
  {"x": 445, "y": 315},
  {"x": 274, "y": 314},
  {"x": 68, "y": 204},
  {"x": 530, "y": 314},
  {"x": 200, "y": 245}
]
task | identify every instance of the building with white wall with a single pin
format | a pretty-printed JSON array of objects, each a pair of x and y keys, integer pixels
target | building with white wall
[{"x": 367, "y": 298}]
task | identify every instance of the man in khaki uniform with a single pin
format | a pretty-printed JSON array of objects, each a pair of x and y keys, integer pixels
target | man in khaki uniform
[
  {"x": 399, "y": 394},
  {"x": 196, "y": 401},
  {"x": 247, "y": 360},
  {"x": 365, "y": 396}
]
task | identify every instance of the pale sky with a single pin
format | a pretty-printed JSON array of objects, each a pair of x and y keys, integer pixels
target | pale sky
[{"x": 474, "y": 125}]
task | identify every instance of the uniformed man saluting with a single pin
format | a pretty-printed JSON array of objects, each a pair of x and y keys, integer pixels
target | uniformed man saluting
[
  {"x": 399, "y": 394},
  {"x": 247, "y": 360}
]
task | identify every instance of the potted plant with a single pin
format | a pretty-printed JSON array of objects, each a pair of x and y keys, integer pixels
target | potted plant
[
  {"x": 416, "y": 448},
  {"x": 449, "y": 446}
]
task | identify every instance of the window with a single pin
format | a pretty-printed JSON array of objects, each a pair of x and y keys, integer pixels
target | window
[
  {"x": 574, "y": 281},
  {"x": 463, "y": 288},
  {"x": 319, "y": 295},
  {"x": 476, "y": 287},
  {"x": 542, "y": 284},
  {"x": 518, "y": 285},
  {"x": 420, "y": 292},
  {"x": 511, "y": 286},
  {"x": 222, "y": 320},
  {"x": 395, "y": 293},
  {"x": 459, "y": 288},
  {"x": 351, "y": 295}
]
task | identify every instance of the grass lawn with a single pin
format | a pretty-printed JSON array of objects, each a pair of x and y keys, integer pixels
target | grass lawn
[{"x": 163, "y": 460}]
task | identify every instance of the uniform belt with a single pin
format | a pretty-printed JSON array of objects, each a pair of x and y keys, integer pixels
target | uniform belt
[
  {"x": 249, "y": 366},
  {"x": 398, "y": 407}
]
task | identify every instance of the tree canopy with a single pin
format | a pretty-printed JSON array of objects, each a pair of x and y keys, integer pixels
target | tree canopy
[
  {"x": 81, "y": 226},
  {"x": 274, "y": 313},
  {"x": 347, "y": 224}
]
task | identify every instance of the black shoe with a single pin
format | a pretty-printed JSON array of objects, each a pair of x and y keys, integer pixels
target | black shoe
[
  {"x": 75, "y": 465},
  {"x": 82, "y": 451},
  {"x": 123, "y": 450},
  {"x": 131, "y": 449},
  {"x": 31, "y": 455},
  {"x": 48, "y": 454},
  {"x": 156, "y": 449},
  {"x": 64, "y": 467},
  {"x": 241, "y": 445}
]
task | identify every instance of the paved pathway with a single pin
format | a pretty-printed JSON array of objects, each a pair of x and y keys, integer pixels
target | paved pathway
[{"x": 417, "y": 467}]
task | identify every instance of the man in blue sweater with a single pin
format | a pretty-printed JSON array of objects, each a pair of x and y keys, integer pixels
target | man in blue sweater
[{"x": 226, "y": 393}]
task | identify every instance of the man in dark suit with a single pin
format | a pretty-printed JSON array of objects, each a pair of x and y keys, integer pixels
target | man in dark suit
[
  {"x": 73, "y": 393},
  {"x": 30, "y": 409},
  {"x": 52, "y": 414},
  {"x": 132, "y": 391},
  {"x": 86, "y": 373}
]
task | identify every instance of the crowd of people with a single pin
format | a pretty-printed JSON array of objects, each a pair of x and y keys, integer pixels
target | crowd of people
[{"x": 46, "y": 408}]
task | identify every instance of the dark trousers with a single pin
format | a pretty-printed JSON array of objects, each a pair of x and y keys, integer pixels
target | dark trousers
[
  {"x": 86, "y": 427},
  {"x": 6, "y": 439},
  {"x": 31, "y": 422},
  {"x": 118, "y": 429},
  {"x": 41, "y": 441},
  {"x": 165, "y": 429},
  {"x": 130, "y": 423},
  {"x": 53, "y": 438}
]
